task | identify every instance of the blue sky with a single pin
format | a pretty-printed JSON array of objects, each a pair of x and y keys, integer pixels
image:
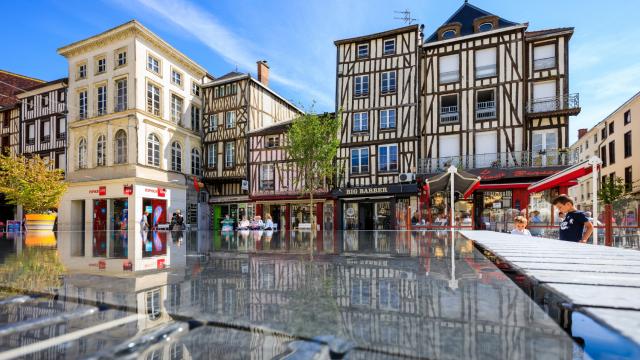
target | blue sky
[{"x": 296, "y": 37}]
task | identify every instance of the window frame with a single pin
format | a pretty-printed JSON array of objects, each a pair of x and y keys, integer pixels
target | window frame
[
  {"x": 61, "y": 128},
  {"x": 195, "y": 118},
  {"x": 150, "y": 106},
  {"x": 359, "y": 81},
  {"x": 612, "y": 152},
  {"x": 444, "y": 33},
  {"x": 150, "y": 64},
  {"x": 384, "y": 47},
  {"x": 176, "y": 156},
  {"x": 268, "y": 144},
  {"x": 485, "y": 23},
  {"x": 229, "y": 163},
  {"x": 175, "y": 115},
  {"x": 441, "y": 97},
  {"x": 357, "y": 117},
  {"x": 476, "y": 68},
  {"x": 101, "y": 100},
  {"x": 271, "y": 180},
  {"x": 389, "y": 167},
  {"x": 120, "y": 147},
  {"x": 97, "y": 61},
  {"x": 153, "y": 150},
  {"x": 196, "y": 89},
  {"x": 229, "y": 124},
  {"x": 180, "y": 77},
  {"x": 217, "y": 122},
  {"x": 441, "y": 81},
  {"x": 82, "y": 153},
  {"x": 381, "y": 117},
  {"x": 360, "y": 166},
  {"x": 117, "y": 58},
  {"x": 83, "y": 104},
  {"x": 366, "y": 53},
  {"x": 391, "y": 82},
  {"x": 121, "y": 94},
  {"x": 196, "y": 162},
  {"x": 628, "y": 146},
  {"x": 627, "y": 117},
  {"x": 45, "y": 124},
  {"x": 81, "y": 70},
  {"x": 101, "y": 150},
  {"x": 212, "y": 160}
]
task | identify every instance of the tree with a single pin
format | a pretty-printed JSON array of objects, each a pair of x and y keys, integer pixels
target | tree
[
  {"x": 312, "y": 145},
  {"x": 30, "y": 182},
  {"x": 613, "y": 193}
]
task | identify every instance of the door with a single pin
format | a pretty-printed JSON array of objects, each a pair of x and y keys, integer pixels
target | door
[
  {"x": 100, "y": 228},
  {"x": 544, "y": 96},
  {"x": 544, "y": 147},
  {"x": 486, "y": 149},
  {"x": 365, "y": 214}
]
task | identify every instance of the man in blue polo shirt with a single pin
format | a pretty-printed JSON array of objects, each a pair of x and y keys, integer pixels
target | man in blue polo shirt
[{"x": 575, "y": 226}]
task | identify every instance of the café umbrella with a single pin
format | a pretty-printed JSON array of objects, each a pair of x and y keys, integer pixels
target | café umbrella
[{"x": 453, "y": 181}]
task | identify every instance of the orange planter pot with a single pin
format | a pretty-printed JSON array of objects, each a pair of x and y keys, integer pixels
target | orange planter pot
[
  {"x": 40, "y": 222},
  {"x": 40, "y": 238}
]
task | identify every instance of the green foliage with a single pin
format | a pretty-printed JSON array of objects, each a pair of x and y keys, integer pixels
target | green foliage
[
  {"x": 34, "y": 269},
  {"x": 612, "y": 190},
  {"x": 30, "y": 182}
]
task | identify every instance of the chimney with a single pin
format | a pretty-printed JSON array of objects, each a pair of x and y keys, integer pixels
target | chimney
[
  {"x": 263, "y": 72},
  {"x": 581, "y": 133}
]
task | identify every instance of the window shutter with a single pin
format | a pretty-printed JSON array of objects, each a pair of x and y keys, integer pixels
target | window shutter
[
  {"x": 449, "y": 63},
  {"x": 449, "y": 146},
  {"x": 486, "y": 57}
]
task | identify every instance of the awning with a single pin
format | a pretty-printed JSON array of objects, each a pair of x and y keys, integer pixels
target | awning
[
  {"x": 464, "y": 182},
  {"x": 562, "y": 178}
]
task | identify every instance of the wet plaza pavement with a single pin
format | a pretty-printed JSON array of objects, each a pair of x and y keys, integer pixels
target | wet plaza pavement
[{"x": 264, "y": 295}]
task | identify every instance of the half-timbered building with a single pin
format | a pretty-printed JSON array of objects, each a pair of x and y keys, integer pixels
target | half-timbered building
[
  {"x": 43, "y": 122},
  {"x": 495, "y": 102},
  {"x": 234, "y": 105},
  {"x": 377, "y": 95}
]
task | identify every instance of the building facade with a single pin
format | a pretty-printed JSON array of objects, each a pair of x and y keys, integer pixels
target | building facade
[
  {"x": 43, "y": 122},
  {"x": 377, "y": 97},
  {"x": 133, "y": 130},
  {"x": 234, "y": 105}
]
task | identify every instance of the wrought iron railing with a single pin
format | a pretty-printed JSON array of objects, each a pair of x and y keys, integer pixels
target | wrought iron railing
[
  {"x": 554, "y": 103},
  {"x": 486, "y": 109},
  {"x": 516, "y": 159},
  {"x": 449, "y": 114},
  {"x": 449, "y": 76},
  {"x": 544, "y": 63}
]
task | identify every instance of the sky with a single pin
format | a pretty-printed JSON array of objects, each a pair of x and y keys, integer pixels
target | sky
[{"x": 296, "y": 38}]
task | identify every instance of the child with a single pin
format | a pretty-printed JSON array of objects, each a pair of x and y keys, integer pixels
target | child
[
  {"x": 521, "y": 224},
  {"x": 574, "y": 225}
]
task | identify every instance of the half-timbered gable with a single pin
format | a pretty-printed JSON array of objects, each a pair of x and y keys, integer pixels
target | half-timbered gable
[{"x": 271, "y": 170}]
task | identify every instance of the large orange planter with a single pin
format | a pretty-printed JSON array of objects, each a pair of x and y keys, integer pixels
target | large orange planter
[
  {"x": 40, "y": 238},
  {"x": 40, "y": 222}
]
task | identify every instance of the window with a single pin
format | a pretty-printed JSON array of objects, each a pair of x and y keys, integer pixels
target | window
[
  {"x": 195, "y": 118},
  {"x": 153, "y": 99},
  {"x": 360, "y": 161},
  {"x": 121, "y": 58},
  {"x": 229, "y": 154},
  {"x": 61, "y": 161},
  {"x": 31, "y": 134},
  {"x": 102, "y": 99},
  {"x": 120, "y": 155},
  {"x": 485, "y": 104},
  {"x": 272, "y": 141},
  {"x": 45, "y": 131},
  {"x": 153, "y": 150},
  {"x": 361, "y": 85},
  {"x": 195, "y": 162},
  {"x": 44, "y": 100},
  {"x": 388, "y": 119},
  {"x": 213, "y": 122},
  {"x": 82, "y": 154},
  {"x": 627, "y": 117},
  {"x": 176, "y": 157},
  {"x": 485, "y": 27},
  {"x": 101, "y": 155},
  {"x": 267, "y": 181},
  {"x": 82, "y": 104},
  {"x": 153, "y": 304},
  {"x": 101, "y": 65},
  {"x": 82, "y": 71},
  {"x": 603, "y": 133},
  {"x": 363, "y": 51},
  {"x": 360, "y": 292},
  {"x": 176, "y": 78},
  {"x": 612, "y": 152},
  {"x": 61, "y": 95},
  {"x": 121, "y": 95},
  {"x": 387, "y": 158},
  {"x": 216, "y": 92},
  {"x": 611, "y": 128},
  {"x": 448, "y": 34},
  {"x": 212, "y": 155},
  {"x": 176, "y": 109},
  {"x": 449, "y": 108},
  {"x": 195, "y": 89},
  {"x": 389, "y": 294},
  {"x": 595, "y": 138},
  {"x": 390, "y": 46},
  {"x": 30, "y": 103},
  {"x": 360, "y": 122},
  {"x": 388, "y": 83},
  {"x": 5, "y": 145},
  {"x": 485, "y": 63},
  {"x": 544, "y": 57},
  {"x": 230, "y": 120},
  {"x": 61, "y": 128},
  {"x": 627, "y": 144},
  {"x": 628, "y": 178},
  {"x": 449, "y": 68},
  {"x": 153, "y": 64},
  {"x": 603, "y": 155}
]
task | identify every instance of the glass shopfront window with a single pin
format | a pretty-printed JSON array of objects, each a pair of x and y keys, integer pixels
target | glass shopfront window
[
  {"x": 300, "y": 216},
  {"x": 403, "y": 214},
  {"x": 350, "y": 215},
  {"x": 367, "y": 215},
  {"x": 463, "y": 209},
  {"x": 498, "y": 212}
]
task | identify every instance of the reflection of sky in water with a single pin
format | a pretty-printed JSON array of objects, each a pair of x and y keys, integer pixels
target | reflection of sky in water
[{"x": 600, "y": 342}]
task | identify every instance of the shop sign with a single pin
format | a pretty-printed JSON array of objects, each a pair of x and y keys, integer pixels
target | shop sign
[
  {"x": 367, "y": 191},
  {"x": 102, "y": 190},
  {"x": 162, "y": 192},
  {"x": 351, "y": 212},
  {"x": 128, "y": 190}
]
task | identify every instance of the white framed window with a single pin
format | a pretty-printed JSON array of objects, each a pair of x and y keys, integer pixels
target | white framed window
[
  {"x": 485, "y": 104},
  {"x": 101, "y": 65},
  {"x": 121, "y": 58},
  {"x": 486, "y": 148},
  {"x": 389, "y": 294},
  {"x": 360, "y": 160},
  {"x": 121, "y": 95},
  {"x": 544, "y": 57},
  {"x": 82, "y": 154},
  {"x": 272, "y": 141},
  {"x": 389, "y": 46},
  {"x": 31, "y": 134},
  {"x": 153, "y": 64},
  {"x": 82, "y": 71},
  {"x": 449, "y": 108},
  {"x": 195, "y": 118},
  {"x": 176, "y": 78},
  {"x": 230, "y": 120},
  {"x": 213, "y": 122},
  {"x": 176, "y": 109},
  {"x": 388, "y": 158},
  {"x": 212, "y": 155},
  {"x": 44, "y": 100},
  {"x": 388, "y": 82},
  {"x": 153, "y": 150},
  {"x": 61, "y": 128},
  {"x": 101, "y": 151},
  {"x": 267, "y": 181},
  {"x": 449, "y": 68},
  {"x": 363, "y": 50},
  {"x": 45, "y": 131},
  {"x": 360, "y": 121},
  {"x": 153, "y": 99},
  {"x": 195, "y": 88},
  {"x": 176, "y": 156},
  {"x": 448, "y": 149},
  {"x": 388, "y": 119},
  {"x": 82, "y": 104},
  {"x": 153, "y": 304},
  {"x": 195, "y": 162},
  {"x": 101, "y": 93},
  {"x": 120, "y": 147},
  {"x": 361, "y": 85},
  {"x": 485, "y": 63},
  {"x": 229, "y": 154},
  {"x": 361, "y": 292}
]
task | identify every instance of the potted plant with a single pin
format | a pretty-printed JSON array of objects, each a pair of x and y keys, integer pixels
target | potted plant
[{"x": 31, "y": 183}]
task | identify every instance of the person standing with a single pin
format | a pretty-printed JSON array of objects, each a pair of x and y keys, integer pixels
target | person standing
[
  {"x": 144, "y": 222},
  {"x": 536, "y": 221},
  {"x": 574, "y": 226}
]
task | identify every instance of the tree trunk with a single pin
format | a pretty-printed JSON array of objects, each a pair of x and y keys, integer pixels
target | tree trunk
[{"x": 608, "y": 225}]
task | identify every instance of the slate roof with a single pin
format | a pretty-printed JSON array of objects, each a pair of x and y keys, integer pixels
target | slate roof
[
  {"x": 465, "y": 16},
  {"x": 11, "y": 84},
  {"x": 228, "y": 75}
]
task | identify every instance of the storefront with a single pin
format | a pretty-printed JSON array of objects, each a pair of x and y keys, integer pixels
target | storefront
[
  {"x": 293, "y": 213},
  {"x": 237, "y": 207}
]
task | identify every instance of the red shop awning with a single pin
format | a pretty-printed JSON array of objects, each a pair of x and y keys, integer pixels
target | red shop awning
[{"x": 562, "y": 178}]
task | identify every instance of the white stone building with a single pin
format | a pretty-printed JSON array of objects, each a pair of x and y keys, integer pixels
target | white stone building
[{"x": 134, "y": 130}]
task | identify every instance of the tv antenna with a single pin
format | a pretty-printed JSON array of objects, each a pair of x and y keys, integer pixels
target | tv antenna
[{"x": 405, "y": 16}]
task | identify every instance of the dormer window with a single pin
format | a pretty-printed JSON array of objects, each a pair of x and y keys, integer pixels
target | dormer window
[
  {"x": 485, "y": 27},
  {"x": 449, "y": 34}
]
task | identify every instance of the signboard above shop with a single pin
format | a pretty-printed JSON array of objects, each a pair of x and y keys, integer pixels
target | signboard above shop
[{"x": 377, "y": 190}]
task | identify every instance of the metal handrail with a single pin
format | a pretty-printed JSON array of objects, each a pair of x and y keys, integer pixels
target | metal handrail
[
  {"x": 554, "y": 103},
  {"x": 449, "y": 114},
  {"x": 486, "y": 109}
]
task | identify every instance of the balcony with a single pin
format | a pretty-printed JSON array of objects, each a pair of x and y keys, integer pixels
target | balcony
[
  {"x": 544, "y": 63},
  {"x": 516, "y": 159},
  {"x": 568, "y": 104},
  {"x": 449, "y": 114},
  {"x": 486, "y": 110}
]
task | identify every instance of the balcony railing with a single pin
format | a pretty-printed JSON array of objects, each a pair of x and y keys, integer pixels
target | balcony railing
[
  {"x": 516, "y": 159},
  {"x": 486, "y": 109},
  {"x": 544, "y": 63},
  {"x": 554, "y": 103},
  {"x": 449, "y": 76},
  {"x": 449, "y": 114}
]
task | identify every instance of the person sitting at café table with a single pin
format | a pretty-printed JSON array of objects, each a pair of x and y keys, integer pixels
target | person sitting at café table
[
  {"x": 257, "y": 223},
  {"x": 268, "y": 222},
  {"x": 244, "y": 224}
]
